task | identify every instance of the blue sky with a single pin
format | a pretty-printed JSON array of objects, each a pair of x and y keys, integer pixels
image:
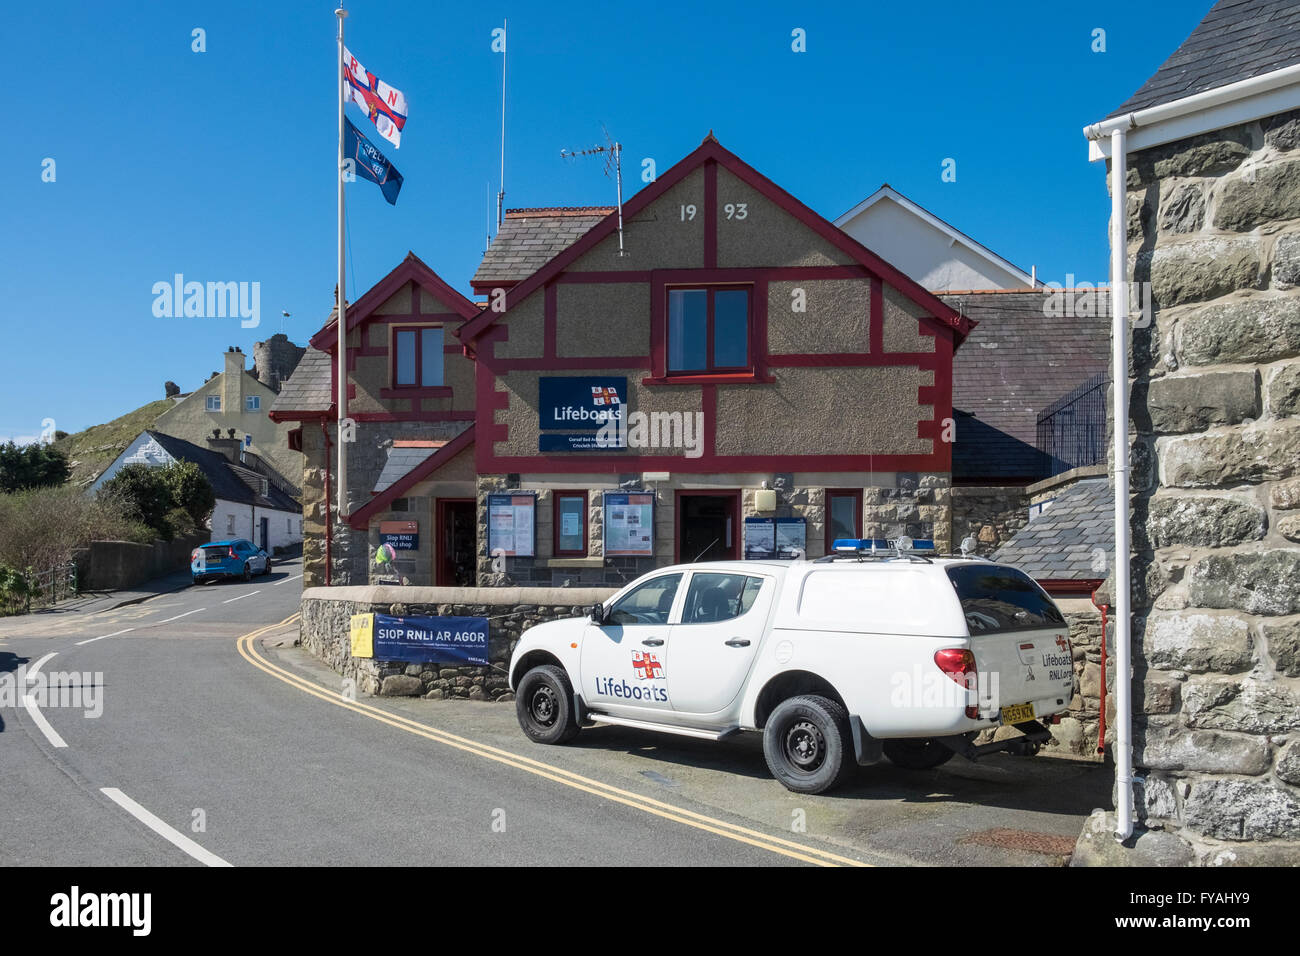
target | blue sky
[{"x": 219, "y": 165}]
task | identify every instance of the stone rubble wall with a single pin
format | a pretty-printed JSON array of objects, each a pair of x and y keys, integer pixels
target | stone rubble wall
[
  {"x": 991, "y": 514},
  {"x": 1214, "y": 227},
  {"x": 326, "y": 624}
]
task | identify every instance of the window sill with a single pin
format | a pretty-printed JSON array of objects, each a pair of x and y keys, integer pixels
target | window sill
[
  {"x": 711, "y": 378},
  {"x": 575, "y": 562},
  {"x": 412, "y": 391}
]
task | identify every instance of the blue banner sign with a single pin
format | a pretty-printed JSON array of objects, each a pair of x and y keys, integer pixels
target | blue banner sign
[
  {"x": 437, "y": 640},
  {"x": 581, "y": 405}
]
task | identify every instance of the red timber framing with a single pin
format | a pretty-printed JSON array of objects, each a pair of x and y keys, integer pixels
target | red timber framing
[
  {"x": 944, "y": 324},
  {"x": 361, "y": 313},
  {"x": 360, "y": 518}
]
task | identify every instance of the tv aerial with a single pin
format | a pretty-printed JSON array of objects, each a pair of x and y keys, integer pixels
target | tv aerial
[{"x": 613, "y": 153}]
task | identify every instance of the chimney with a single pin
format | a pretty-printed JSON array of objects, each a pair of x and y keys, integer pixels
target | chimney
[
  {"x": 232, "y": 383},
  {"x": 229, "y": 448}
]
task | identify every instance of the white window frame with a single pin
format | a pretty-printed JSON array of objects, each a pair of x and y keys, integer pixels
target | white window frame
[
  {"x": 213, "y": 403},
  {"x": 252, "y": 403}
]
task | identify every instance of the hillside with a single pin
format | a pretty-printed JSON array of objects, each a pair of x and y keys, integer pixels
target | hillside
[{"x": 91, "y": 450}]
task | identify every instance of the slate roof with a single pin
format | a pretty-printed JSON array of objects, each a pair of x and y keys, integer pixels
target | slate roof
[
  {"x": 308, "y": 389},
  {"x": 530, "y": 238},
  {"x": 1059, "y": 543},
  {"x": 401, "y": 459},
  {"x": 229, "y": 482},
  {"x": 1016, "y": 362},
  {"x": 1238, "y": 39}
]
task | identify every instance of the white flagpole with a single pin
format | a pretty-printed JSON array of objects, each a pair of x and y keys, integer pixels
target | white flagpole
[{"x": 342, "y": 317}]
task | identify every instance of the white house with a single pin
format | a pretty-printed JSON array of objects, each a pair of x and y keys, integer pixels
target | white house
[
  {"x": 927, "y": 249},
  {"x": 250, "y": 504}
]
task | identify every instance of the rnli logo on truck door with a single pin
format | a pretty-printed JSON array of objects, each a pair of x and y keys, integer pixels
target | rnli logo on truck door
[{"x": 647, "y": 666}]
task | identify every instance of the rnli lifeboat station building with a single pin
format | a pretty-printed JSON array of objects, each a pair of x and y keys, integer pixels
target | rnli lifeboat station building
[{"x": 732, "y": 376}]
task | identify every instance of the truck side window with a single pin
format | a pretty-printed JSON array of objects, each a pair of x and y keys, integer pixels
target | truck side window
[
  {"x": 649, "y": 603},
  {"x": 719, "y": 597}
]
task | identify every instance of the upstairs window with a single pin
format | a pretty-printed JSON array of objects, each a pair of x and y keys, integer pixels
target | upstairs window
[
  {"x": 708, "y": 330},
  {"x": 417, "y": 357},
  {"x": 252, "y": 403},
  {"x": 214, "y": 403}
]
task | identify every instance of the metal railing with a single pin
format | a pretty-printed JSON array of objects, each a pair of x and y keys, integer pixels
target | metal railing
[
  {"x": 21, "y": 592},
  {"x": 1072, "y": 430}
]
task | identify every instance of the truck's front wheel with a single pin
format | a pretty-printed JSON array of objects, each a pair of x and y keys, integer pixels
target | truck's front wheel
[
  {"x": 808, "y": 745},
  {"x": 544, "y": 705}
]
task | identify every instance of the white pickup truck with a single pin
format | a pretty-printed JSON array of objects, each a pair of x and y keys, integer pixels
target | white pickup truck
[{"x": 837, "y": 661}]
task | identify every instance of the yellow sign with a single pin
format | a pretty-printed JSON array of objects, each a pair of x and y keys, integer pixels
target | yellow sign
[{"x": 363, "y": 635}]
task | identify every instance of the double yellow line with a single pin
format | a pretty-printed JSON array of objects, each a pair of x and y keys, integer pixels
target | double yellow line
[{"x": 248, "y": 650}]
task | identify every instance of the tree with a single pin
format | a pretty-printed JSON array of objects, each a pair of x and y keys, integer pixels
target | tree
[
  {"x": 144, "y": 494},
  {"x": 31, "y": 466},
  {"x": 190, "y": 491}
]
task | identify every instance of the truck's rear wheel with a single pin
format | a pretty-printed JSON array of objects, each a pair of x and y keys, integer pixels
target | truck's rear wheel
[
  {"x": 808, "y": 745},
  {"x": 544, "y": 705},
  {"x": 923, "y": 754}
]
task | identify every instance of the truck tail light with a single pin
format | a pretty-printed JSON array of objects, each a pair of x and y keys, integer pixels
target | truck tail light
[
  {"x": 231, "y": 552},
  {"x": 194, "y": 555},
  {"x": 959, "y": 665}
]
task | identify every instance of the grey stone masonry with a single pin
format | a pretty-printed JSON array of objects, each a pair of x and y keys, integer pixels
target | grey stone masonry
[
  {"x": 325, "y": 631},
  {"x": 1214, "y": 227}
]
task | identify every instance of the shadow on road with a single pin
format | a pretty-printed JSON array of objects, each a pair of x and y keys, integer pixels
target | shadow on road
[
  {"x": 9, "y": 663},
  {"x": 1046, "y": 784}
]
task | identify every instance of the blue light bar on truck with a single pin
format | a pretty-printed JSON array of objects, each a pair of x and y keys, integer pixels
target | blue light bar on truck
[{"x": 857, "y": 545}]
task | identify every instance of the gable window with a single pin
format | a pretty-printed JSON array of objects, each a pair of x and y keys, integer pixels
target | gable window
[
  {"x": 709, "y": 330},
  {"x": 214, "y": 403},
  {"x": 571, "y": 524},
  {"x": 417, "y": 357},
  {"x": 252, "y": 403}
]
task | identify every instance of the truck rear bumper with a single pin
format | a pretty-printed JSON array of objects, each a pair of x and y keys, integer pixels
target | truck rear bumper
[{"x": 1034, "y": 735}]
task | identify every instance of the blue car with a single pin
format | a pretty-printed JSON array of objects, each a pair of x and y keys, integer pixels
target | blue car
[{"x": 237, "y": 558}]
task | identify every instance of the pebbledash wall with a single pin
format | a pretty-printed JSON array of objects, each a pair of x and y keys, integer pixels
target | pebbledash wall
[
  {"x": 847, "y": 386},
  {"x": 327, "y": 614},
  {"x": 1214, "y": 226}
]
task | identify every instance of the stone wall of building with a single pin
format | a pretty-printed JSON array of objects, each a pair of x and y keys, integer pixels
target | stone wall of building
[
  {"x": 916, "y": 504},
  {"x": 326, "y": 624},
  {"x": 991, "y": 514},
  {"x": 1214, "y": 227}
]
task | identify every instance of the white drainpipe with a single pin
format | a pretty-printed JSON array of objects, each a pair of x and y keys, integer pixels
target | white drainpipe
[{"x": 1119, "y": 377}]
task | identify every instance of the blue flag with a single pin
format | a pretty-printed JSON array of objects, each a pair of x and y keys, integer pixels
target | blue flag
[{"x": 371, "y": 163}]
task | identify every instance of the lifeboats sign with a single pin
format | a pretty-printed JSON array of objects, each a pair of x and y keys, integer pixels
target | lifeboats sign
[
  {"x": 434, "y": 640},
  {"x": 581, "y": 406}
]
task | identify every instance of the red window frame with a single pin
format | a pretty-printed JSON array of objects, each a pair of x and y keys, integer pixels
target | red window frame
[
  {"x": 711, "y": 289},
  {"x": 418, "y": 384},
  {"x": 555, "y": 524},
  {"x": 856, "y": 495}
]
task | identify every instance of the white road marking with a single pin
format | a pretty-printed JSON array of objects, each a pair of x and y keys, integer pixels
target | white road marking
[
  {"x": 242, "y": 596},
  {"x": 34, "y": 712},
  {"x": 102, "y": 636},
  {"x": 186, "y": 614},
  {"x": 35, "y": 668},
  {"x": 168, "y": 833},
  {"x": 286, "y": 580}
]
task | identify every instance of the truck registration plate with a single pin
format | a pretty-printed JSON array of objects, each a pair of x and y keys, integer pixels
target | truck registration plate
[{"x": 1017, "y": 713}]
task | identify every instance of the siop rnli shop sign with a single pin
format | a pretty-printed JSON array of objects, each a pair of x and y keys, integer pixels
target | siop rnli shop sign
[{"x": 434, "y": 640}]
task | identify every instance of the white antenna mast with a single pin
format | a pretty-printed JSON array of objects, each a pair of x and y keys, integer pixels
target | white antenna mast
[
  {"x": 613, "y": 163},
  {"x": 501, "y": 196}
]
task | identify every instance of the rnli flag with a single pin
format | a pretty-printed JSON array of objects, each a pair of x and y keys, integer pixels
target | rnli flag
[
  {"x": 370, "y": 163},
  {"x": 385, "y": 106}
]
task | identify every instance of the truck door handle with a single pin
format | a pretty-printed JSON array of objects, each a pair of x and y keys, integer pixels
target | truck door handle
[
  {"x": 737, "y": 642},
  {"x": 653, "y": 642}
]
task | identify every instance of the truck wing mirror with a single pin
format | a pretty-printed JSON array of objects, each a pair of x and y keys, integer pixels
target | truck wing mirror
[{"x": 597, "y": 614}]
